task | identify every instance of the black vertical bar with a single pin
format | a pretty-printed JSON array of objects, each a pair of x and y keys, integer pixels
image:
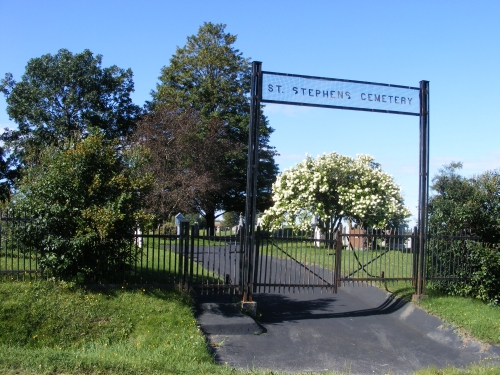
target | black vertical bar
[
  {"x": 256, "y": 260},
  {"x": 252, "y": 173},
  {"x": 180, "y": 252},
  {"x": 338, "y": 259},
  {"x": 191, "y": 257},
  {"x": 185, "y": 253},
  {"x": 414, "y": 250},
  {"x": 241, "y": 236},
  {"x": 423, "y": 185},
  {"x": 152, "y": 254}
]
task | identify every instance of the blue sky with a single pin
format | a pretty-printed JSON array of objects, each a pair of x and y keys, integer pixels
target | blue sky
[{"x": 452, "y": 44}]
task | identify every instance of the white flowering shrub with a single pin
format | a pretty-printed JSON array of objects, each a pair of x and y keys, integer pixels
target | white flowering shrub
[{"x": 333, "y": 187}]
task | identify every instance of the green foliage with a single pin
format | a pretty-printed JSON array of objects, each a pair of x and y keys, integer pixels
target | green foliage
[
  {"x": 231, "y": 219},
  {"x": 7, "y": 175},
  {"x": 84, "y": 201},
  {"x": 472, "y": 206},
  {"x": 480, "y": 272},
  {"x": 333, "y": 187},
  {"x": 485, "y": 282},
  {"x": 63, "y": 94},
  {"x": 462, "y": 203},
  {"x": 475, "y": 265},
  {"x": 210, "y": 76}
]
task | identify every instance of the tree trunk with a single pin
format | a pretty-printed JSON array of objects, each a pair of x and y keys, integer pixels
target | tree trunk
[{"x": 210, "y": 218}]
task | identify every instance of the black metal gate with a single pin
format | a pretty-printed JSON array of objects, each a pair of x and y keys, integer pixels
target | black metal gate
[{"x": 287, "y": 262}]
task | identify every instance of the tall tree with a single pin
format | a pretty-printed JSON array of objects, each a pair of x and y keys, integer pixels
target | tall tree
[
  {"x": 185, "y": 155},
  {"x": 63, "y": 94},
  {"x": 466, "y": 203},
  {"x": 212, "y": 77}
]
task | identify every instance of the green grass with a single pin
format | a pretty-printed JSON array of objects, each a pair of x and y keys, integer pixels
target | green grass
[
  {"x": 471, "y": 316},
  {"x": 483, "y": 368},
  {"x": 48, "y": 327}
]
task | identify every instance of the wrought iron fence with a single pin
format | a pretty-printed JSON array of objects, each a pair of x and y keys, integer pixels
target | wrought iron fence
[
  {"x": 209, "y": 262},
  {"x": 282, "y": 261},
  {"x": 448, "y": 256},
  {"x": 17, "y": 261}
]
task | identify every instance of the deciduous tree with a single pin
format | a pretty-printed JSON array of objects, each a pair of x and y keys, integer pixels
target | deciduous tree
[
  {"x": 461, "y": 203},
  {"x": 331, "y": 188},
  {"x": 466, "y": 206},
  {"x": 187, "y": 160},
  {"x": 64, "y": 94}
]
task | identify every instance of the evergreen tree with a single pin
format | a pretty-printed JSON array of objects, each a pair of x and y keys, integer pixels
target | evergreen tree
[{"x": 212, "y": 77}]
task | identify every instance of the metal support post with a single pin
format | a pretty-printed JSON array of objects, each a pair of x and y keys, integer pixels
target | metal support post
[
  {"x": 423, "y": 187},
  {"x": 252, "y": 173},
  {"x": 338, "y": 259}
]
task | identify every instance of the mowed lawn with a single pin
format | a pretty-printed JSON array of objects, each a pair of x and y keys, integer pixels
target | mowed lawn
[{"x": 55, "y": 327}]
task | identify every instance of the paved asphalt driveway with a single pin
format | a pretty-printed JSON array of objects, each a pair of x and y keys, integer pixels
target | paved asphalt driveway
[{"x": 360, "y": 330}]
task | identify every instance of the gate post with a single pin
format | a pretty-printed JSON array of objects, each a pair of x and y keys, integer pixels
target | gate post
[
  {"x": 338, "y": 258},
  {"x": 423, "y": 187},
  {"x": 183, "y": 255},
  {"x": 252, "y": 173}
]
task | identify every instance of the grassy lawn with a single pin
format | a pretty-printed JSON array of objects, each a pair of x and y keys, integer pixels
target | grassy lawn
[{"x": 48, "y": 328}]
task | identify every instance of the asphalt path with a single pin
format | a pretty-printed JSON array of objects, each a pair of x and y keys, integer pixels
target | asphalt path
[
  {"x": 274, "y": 274},
  {"x": 360, "y": 330}
]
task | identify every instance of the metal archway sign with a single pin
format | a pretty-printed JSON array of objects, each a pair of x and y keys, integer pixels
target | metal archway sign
[{"x": 293, "y": 89}]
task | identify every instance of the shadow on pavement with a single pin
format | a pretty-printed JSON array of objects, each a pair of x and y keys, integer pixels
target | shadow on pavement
[{"x": 280, "y": 308}]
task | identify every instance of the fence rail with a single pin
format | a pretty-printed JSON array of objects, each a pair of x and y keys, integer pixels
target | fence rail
[{"x": 283, "y": 261}]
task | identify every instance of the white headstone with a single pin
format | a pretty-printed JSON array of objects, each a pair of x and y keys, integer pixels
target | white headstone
[{"x": 179, "y": 218}]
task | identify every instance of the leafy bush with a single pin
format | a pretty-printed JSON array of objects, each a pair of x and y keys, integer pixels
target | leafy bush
[
  {"x": 475, "y": 266},
  {"x": 84, "y": 201},
  {"x": 471, "y": 206},
  {"x": 485, "y": 282}
]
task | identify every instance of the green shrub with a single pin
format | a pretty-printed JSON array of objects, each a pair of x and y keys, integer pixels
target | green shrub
[
  {"x": 83, "y": 201},
  {"x": 476, "y": 266}
]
